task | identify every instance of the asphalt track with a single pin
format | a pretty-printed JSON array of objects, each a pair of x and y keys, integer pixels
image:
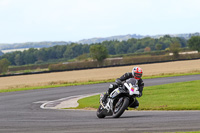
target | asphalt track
[{"x": 20, "y": 112}]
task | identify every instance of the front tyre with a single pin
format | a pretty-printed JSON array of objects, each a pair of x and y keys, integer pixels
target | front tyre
[
  {"x": 100, "y": 112},
  {"x": 120, "y": 107}
]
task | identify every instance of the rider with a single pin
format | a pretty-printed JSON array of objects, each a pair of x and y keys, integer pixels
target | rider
[{"x": 137, "y": 74}]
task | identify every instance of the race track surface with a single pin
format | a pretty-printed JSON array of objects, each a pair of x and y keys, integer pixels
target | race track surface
[{"x": 20, "y": 112}]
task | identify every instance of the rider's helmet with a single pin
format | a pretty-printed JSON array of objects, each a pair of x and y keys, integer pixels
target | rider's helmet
[{"x": 137, "y": 73}]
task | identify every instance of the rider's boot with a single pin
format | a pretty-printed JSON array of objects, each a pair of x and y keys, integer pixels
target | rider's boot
[{"x": 134, "y": 104}]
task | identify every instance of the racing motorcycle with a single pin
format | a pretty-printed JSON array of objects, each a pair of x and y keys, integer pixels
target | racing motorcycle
[{"x": 119, "y": 99}]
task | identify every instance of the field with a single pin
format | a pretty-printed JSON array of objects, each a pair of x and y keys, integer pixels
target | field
[{"x": 97, "y": 74}]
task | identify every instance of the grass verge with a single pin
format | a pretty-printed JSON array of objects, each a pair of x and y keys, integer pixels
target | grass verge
[
  {"x": 58, "y": 84},
  {"x": 175, "y": 96},
  {"x": 164, "y": 75},
  {"x": 185, "y": 132},
  {"x": 54, "y": 85}
]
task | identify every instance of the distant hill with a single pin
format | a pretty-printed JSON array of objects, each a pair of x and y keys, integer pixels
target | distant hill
[
  {"x": 87, "y": 41},
  {"x": 119, "y": 38},
  {"x": 129, "y": 36}
]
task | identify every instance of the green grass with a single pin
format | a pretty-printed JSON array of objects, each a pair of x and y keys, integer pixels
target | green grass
[
  {"x": 164, "y": 75},
  {"x": 185, "y": 132},
  {"x": 54, "y": 84},
  {"x": 88, "y": 102},
  {"x": 175, "y": 96}
]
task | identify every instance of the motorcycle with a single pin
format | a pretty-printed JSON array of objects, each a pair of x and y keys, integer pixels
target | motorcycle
[{"x": 119, "y": 99}]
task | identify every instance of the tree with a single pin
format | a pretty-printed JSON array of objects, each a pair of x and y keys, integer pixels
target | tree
[
  {"x": 59, "y": 51},
  {"x": 19, "y": 59},
  {"x": 4, "y": 63},
  {"x": 72, "y": 51},
  {"x": 175, "y": 48},
  {"x": 42, "y": 55},
  {"x": 29, "y": 56},
  {"x": 68, "y": 54},
  {"x": 158, "y": 46},
  {"x": 98, "y": 52},
  {"x": 194, "y": 43},
  {"x": 110, "y": 45}
]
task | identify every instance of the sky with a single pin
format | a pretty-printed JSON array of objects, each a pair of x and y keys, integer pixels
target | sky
[{"x": 73, "y": 20}]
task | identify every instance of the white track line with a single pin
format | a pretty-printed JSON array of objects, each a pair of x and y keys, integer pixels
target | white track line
[{"x": 76, "y": 98}]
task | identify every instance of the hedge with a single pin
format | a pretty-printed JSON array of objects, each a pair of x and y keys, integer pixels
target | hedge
[{"x": 120, "y": 62}]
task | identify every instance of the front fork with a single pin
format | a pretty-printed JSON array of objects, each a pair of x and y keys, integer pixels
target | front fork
[{"x": 108, "y": 106}]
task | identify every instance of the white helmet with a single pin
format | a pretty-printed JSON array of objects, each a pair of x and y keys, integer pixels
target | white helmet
[{"x": 137, "y": 73}]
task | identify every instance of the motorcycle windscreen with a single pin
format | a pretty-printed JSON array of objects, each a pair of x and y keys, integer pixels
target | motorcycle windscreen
[
  {"x": 132, "y": 85},
  {"x": 133, "y": 81}
]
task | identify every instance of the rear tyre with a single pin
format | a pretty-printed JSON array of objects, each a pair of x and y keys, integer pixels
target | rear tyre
[
  {"x": 100, "y": 112},
  {"x": 120, "y": 107}
]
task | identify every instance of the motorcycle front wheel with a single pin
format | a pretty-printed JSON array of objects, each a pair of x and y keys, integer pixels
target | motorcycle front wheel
[
  {"x": 100, "y": 112},
  {"x": 120, "y": 107}
]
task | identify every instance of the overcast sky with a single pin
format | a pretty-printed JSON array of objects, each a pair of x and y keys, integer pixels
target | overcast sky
[{"x": 73, "y": 20}]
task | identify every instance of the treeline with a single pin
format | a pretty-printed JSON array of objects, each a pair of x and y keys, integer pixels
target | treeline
[
  {"x": 38, "y": 56},
  {"x": 142, "y": 45},
  {"x": 74, "y": 50}
]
